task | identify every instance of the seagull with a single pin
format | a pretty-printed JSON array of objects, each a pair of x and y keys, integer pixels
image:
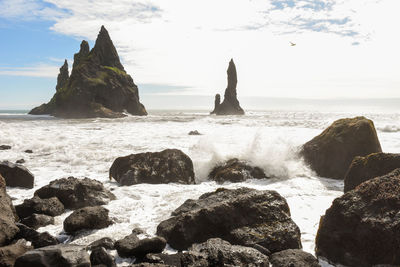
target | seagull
[{"x": 292, "y": 44}]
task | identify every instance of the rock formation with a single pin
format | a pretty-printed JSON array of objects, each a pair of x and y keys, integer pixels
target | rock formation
[
  {"x": 331, "y": 153},
  {"x": 87, "y": 218},
  {"x": 16, "y": 175},
  {"x": 235, "y": 171},
  {"x": 361, "y": 228},
  {"x": 371, "y": 166},
  {"x": 8, "y": 216},
  {"x": 98, "y": 85},
  {"x": 230, "y": 105}
]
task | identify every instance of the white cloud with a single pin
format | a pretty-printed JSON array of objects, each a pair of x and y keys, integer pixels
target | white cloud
[
  {"x": 344, "y": 47},
  {"x": 40, "y": 70}
]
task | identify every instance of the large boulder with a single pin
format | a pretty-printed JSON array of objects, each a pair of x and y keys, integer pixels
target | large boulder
[
  {"x": 8, "y": 216},
  {"x": 55, "y": 256},
  {"x": 365, "y": 168},
  {"x": 87, "y": 218},
  {"x": 230, "y": 105},
  {"x": 293, "y": 258},
  {"x": 361, "y": 228},
  {"x": 241, "y": 216},
  {"x": 16, "y": 175},
  {"x": 98, "y": 86},
  {"x": 8, "y": 254},
  {"x": 167, "y": 166},
  {"x": 48, "y": 206},
  {"x": 132, "y": 246},
  {"x": 76, "y": 193},
  {"x": 36, "y": 221},
  {"x": 100, "y": 257},
  {"x": 38, "y": 239},
  {"x": 235, "y": 171},
  {"x": 104, "y": 242},
  {"x": 331, "y": 153}
]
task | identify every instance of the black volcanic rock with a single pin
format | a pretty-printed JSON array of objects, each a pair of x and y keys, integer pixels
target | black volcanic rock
[
  {"x": 62, "y": 77},
  {"x": 87, "y": 218},
  {"x": 235, "y": 171},
  {"x": 98, "y": 85},
  {"x": 16, "y": 175},
  {"x": 48, "y": 206},
  {"x": 293, "y": 258},
  {"x": 230, "y": 105}
]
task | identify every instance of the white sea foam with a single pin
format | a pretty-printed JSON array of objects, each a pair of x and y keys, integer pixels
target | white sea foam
[{"x": 87, "y": 148}]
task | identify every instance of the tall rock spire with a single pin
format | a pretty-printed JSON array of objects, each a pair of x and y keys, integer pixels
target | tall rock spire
[
  {"x": 230, "y": 105},
  {"x": 104, "y": 50},
  {"x": 83, "y": 52},
  {"x": 63, "y": 76}
]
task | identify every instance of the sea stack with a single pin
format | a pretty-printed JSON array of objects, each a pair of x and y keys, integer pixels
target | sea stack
[
  {"x": 98, "y": 86},
  {"x": 230, "y": 105}
]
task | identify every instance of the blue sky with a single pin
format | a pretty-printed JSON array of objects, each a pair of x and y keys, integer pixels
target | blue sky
[{"x": 174, "y": 47}]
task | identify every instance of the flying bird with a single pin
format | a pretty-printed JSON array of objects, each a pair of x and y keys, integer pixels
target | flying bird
[{"x": 292, "y": 44}]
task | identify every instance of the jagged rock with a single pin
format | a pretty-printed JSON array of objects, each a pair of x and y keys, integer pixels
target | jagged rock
[
  {"x": 361, "y": 228},
  {"x": 63, "y": 76},
  {"x": 16, "y": 175},
  {"x": 36, "y": 221},
  {"x": 87, "y": 218},
  {"x": 241, "y": 216},
  {"x": 235, "y": 171},
  {"x": 331, "y": 153},
  {"x": 195, "y": 132},
  {"x": 98, "y": 86},
  {"x": 5, "y": 147},
  {"x": 76, "y": 193},
  {"x": 167, "y": 166},
  {"x": 365, "y": 168},
  {"x": 48, "y": 206},
  {"x": 293, "y": 258},
  {"x": 104, "y": 242},
  {"x": 132, "y": 246},
  {"x": 99, "y": 256},
  {"x": 8, "y": 254},
  {"x": 38, "y": 240},
  {"x": 230, "y": 105},
  {"x": 8, "y": 216},
  {"x": 55, "y": 256}
]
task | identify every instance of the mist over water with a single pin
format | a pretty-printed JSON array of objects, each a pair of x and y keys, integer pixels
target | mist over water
[{"x": 268, "y": 139}]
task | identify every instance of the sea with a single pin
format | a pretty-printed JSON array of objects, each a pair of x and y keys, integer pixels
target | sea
[{"x": 266, "y": 138}]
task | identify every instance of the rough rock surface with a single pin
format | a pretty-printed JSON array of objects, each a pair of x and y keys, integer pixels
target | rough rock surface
[
  {"x": 98, "y": 86},
  {"x": 361, "y": 228},
  {"x": 76, "y": 193},
  {"x": 132, "y": 246},
  {"x": 104, "y": 242},
  {"x": 230, "y": 105},
  {"x": 38, "y": 240},
  {"x": 62, "y": 77},
  {"x": 368, "y": 167},
  {"x": 48, "y": 206},
  {"x": 16, "y": 175},
  {"x": 8, "y": 254},
  {"x": 167, "y": 166},
  {"x": 99, "y": 256},
  {"x": 8, "y": 216},
  {"x": 293, "y": 258},
  {"x": 36, "y": 221},
  {"x": 235, "y": 171},
  {"x": 331, "y": 153},
  {"x": 55, "y": 256},
  {"x": 87, "y": 218},
  {"x": 241, "y": 216}
]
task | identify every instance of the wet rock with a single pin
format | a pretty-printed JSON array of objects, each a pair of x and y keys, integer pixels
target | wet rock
[
  {"x": 98, "y": 86},
  {"x": 48, "y": 206},
  {"x": 293, "y": 258},
  {"x": 16, "y": 175},
  {"x": 87, "y": 218},
  {"x": 38, "y": 240},
  {"x": 365, "y": 168},
  {"x": 29, "y": 151},
  {"x": 8, "y": 254},
  {"x": 132, "y": 246},
  {"x": 230, "y": 105},
  {"x": 36, "y": 221},
  {"x": 241, "y": 216},
  {"x": 20, "y": 161},
  {"x": 104, "y": 242},
  {"x": 361, "y": 228},
  {"x": 5, "y": 147},
  {"x": 235, "y": 171},
  {"x": 8, "y": 216},
  {"x": 195, "y": 132},
  {"x": 55, "y": 256},
  {"x": 99, "y": 256},
  {"x": 76, "y": 193},
  {"x": 331, "y": 153},
  {"x": 167, "y": 166}
]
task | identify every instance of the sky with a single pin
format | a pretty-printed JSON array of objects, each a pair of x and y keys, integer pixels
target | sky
[{"x": 344, "y": 48}]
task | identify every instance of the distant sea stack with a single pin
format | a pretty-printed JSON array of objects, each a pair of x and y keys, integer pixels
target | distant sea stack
[
  {"x": 98, "y": 85},
  {"x": 230, "y": 105}
]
